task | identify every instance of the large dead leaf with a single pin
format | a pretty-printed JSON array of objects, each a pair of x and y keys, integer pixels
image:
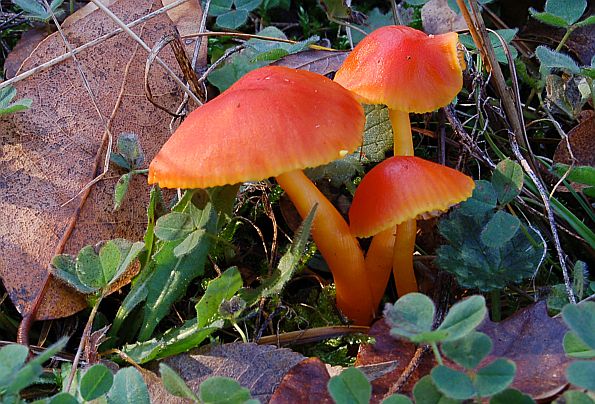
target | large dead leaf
[
  {"x": 533, "y": 340},
  {"x": 257, "y": 367},
  {"x": 28, "y": 41},
  {"x": 438, "y": 18},
  {"x": 530, "y": 338},
  {"x": 47, "y": 153}
]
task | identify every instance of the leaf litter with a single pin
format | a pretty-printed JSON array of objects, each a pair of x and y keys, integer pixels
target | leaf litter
[{"x": 47, "y": 155}]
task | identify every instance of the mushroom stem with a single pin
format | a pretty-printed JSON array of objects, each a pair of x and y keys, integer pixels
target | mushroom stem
[
  {"x": 403, "y": 258},
  {"x": 337, "y": 245},
  {"x": 401, "y": 132},
  {"x": 379, "y": 262},
  {"x": 400, "y": 255}
]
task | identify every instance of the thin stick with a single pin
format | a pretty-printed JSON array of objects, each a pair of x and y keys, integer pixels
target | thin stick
[{"x": 97, "y": 41}]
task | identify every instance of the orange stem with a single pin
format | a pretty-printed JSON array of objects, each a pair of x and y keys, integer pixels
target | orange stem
[
  {"x": 405, "y": 241},
  {"x": 403, "y": 258},
  {"x": 337, "y": 245},
  {"x": 379, "y": 263}
]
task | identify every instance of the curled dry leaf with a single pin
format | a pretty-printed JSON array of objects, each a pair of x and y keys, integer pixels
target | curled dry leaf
[
  {"x": 304, "y": 383},
  {"x": 47, "y": 154},
  {"x": 257, "y": 367},
  {"x": 317, "y": 61}
]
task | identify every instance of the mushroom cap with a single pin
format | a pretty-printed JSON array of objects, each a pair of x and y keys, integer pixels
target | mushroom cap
[
  {"x": 404, "y": 69},
  {"x": 271, "y": 121},
  {"x": 403, "y": 188}
]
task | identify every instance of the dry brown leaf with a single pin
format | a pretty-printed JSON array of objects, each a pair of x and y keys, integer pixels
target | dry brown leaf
[
  {"x": 582, "y": 143},
  {"x": 47, "y": 153},
  {"x": 438, "y": 18},
  {"x": 257, "y": 367},
  {"x": 533, "y": 340},
  {"x": 304, "y": 383},
  {"x": 321, "y": 62},
  {"x": 388, "y": 349},
  {"x": 530, "y": 338}
]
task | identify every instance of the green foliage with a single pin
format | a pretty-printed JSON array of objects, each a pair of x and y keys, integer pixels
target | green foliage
[
  {"x": 287, "y": 266},
  {"x": 579, "y": 342},
  {"x": 36, "y": 11},
  {"x": 560, "y": 13},
  {"x": 128, "y": 387},
  {"x": 129, "y": 156},
  {"x": 232, "y": 14},
  {"x": 15, "y": 374},
  {"x": 511, "y": 396},
  {"x": 506, "y": 34},
  {"x": 351, "y": 386},
  {"x": 257, "y": 53},
  {"x": 95, "y": 382},
  {"x": 174, "y": 384},
  {"x": 224, "y": 390},
  {"x": 551, "y": 59},
  {"x": 425, "y": 391},
  {"x": 94, "y": 271},
  {"x": 219, "y": 289},
  {"x": 579, "y": 174},
  {"x": 412, "y": 317},
  {"x": 506, "y": 252},
  {"x": 507, "y": 180},
  {"x": 7, "y": 94},
  {"x": 469, "y": 350}
]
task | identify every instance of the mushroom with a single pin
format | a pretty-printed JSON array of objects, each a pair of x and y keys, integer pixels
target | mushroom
[
  {"x": 400, "y": 189},
  {"x": 408, "y": 71},
  {"x": 274, "y": 122}
]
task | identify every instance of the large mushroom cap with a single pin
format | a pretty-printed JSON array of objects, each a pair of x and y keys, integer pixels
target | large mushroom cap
[
  {"x": 403, "y": 188},
  {"x": 404, "y": 69},
  {"x": 271, "y": 121}
]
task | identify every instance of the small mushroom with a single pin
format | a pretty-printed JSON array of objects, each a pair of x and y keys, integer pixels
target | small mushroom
[
  {"x": 400, "y": 189},
  {"x": 276, "y": 121},
  {"x": 408, "y": 71}
]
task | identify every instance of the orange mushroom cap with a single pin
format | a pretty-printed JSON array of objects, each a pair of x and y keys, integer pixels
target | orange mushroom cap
[
  {"x": 271, "y": 121},
  {"x": 403, "y": 188},
  {"x": 404, "y": 69}
]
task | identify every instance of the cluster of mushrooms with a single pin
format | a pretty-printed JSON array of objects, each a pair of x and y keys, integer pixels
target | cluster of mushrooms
[{"x": 276, "y": 121}]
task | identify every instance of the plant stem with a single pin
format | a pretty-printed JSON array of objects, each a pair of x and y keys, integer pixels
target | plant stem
[
  {"x": 338, "y": 246},
  {"x": 379, "y": 263},
  {"x": 83, "y": 343},
  {"x": 240, "y": 331},
  {"x": 496, "y": 305},
  {"x": 569, "y": 31},
  {"x": 436, "y": 353}
]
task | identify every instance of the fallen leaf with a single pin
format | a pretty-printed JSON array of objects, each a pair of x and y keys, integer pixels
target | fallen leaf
[
  {"x": 438, "y": 18},
  {"x": 321, "y": 62},
  {"x": 47, "y": 154},
  {"x": 257, "y": 367},
  {"x": 582, "y": 143},
  {"x": 533, "y": 340},
  {"x": 304, "y": 383},
  {"x": 389, "y": 349}
]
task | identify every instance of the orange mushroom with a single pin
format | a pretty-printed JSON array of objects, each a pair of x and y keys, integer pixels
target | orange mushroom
[
  {"x": 276, "y": 121},
  {"x": 400, "y": 189},
  {"x": 408, "y": 71}
]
